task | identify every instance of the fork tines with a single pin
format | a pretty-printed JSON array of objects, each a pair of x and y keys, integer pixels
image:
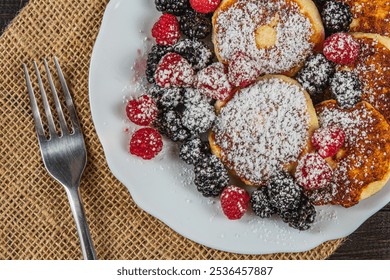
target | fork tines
[{"x": 63, "y": 127}]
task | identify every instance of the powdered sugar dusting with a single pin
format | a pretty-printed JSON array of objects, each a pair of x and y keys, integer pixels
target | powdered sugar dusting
[
  {"x": 366, "y": 158},
  {"x": 313, "y": 172},
  {"x": 236, "y": 27},
  {"x": 328, "y": 140},
  {"x": 341, "y": 48},
  {"x": 370, "y": 16},
  {"x": 262, "y": 128},
  {"x": 213, "y": 82},
  {"x": 174, "y": 71},
  {"x": 243, "y": 70},
  {"x": 373, "y": 69},
  {"x": 198, "y": 117}
]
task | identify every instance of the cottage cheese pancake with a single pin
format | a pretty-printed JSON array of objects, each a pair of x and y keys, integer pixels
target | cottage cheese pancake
[
  {"x": 373, "y": 70},
  {"x": 264, "y": 128},
  {"x": 371, "y": 16},
  {"x": 362, "y": 167},
  {"x": 278, "y": 34}
]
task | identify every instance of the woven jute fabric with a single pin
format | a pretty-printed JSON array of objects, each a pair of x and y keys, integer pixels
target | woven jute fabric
[{"x": 35, "y": 218}]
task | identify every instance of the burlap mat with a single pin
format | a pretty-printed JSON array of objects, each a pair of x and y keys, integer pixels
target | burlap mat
[{"x": 35, "y": 219}]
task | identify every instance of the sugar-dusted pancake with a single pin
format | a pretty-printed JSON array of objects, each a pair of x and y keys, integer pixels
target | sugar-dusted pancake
[
  {"x": 362, "y": 167},
  {"x": 263, "y": 128},
  {"x": 371, "y": 16},
  {"x": 278, "y": 34},
  {"x": 373, "y": 70}
]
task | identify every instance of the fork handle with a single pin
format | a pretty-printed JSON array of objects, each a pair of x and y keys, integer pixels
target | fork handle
[{"x": 77, "y": 208}]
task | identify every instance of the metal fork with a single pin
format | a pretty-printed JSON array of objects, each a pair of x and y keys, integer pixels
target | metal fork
[{"x": 64, "y": 154}]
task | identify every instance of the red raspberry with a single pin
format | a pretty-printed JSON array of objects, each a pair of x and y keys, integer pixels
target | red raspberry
[
  {"x": 328, "y": 140},
  {"x": 313, "y": 172},
  {"x": 146, "y": 143},
  {"x": 243, "y": 70},
  {"x": 341, "y": 48},
  {"x": 142, "y": 111},
  {"x": 166, "y": 30},
  {"x": 174, "y": 71},
  {"x": 205, "y": 6},
  {"x": 213, "y": 82},
  {"x": 234, "y": 202}
]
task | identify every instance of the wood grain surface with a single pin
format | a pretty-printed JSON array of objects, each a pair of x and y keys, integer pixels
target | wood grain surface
[
  {"x": 8, "y": 9},
  {"x": 370, "y": 241}
]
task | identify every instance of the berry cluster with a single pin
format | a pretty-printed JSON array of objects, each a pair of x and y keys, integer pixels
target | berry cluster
[
  {"x": 180, "y": 18},
  {"x": 170, "y": 106},
  {"x": 184, "y": 63},
  {"x": 180, "y": 7},
  {"x": 173, "y": 67},
  {"x": 284, "y": 197},
  {"x": 145, "y": 142},
  {"x": 183, "y": 17},
  {"x": 340, "y": 48},
  {"x": 319, "y": 72},
  {"x": 313, "y": 171}
]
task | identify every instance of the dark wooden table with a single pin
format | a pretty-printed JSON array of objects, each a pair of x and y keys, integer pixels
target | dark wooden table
[{"x": 370, "y": 241}]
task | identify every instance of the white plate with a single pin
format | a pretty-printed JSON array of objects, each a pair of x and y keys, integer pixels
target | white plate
[{"x": 163, "y": 187}]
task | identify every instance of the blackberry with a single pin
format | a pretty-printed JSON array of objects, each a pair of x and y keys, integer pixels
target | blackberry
[
  {"x": 211, "y": 176},
  {"x": 194, "y": 97},
  {"x": 195, "y": 25},
  {"x": 315, "y": 75},
  {"x": 198, "y": 117},
  {"x": 320, "y": 3},
  {"x": 167, "y": 98},
  {"x": 260, "y": 203},
  {"x": 336, "y": 16},
  {"x": 346, "y": 89},
  {"x": 191, "y": 151},
  {"x": 284, "y": 194},
  {"x": 175, "y": 7},
  {"x": 169, "y": 124},
  {"x": 196, "y": 53},
  {"x": 155, "y": 91},
  {"x": 154, "y": 57},
  {"x": 301, "y": 218}
]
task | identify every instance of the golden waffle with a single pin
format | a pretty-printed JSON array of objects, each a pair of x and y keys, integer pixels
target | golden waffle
[
  {"x": 371, "y": 16},
  {"x": 264, "y": 127},
  {"x": 362, "y": 167},
  {"x": 373, "y": 70},
  {"x": 278, "y": 34}
]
